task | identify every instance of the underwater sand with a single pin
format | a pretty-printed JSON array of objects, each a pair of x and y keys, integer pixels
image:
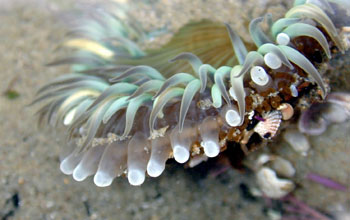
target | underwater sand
[{"x": 33, "y": 187}]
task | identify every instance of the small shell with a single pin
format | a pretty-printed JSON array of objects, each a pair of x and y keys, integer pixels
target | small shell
[
  {"x": 336, "y": 113},
  {"x": 271, "y": 185},
  {"x": 311, "y": 121},
  {"x": 286, "y": 110},
  {"x": 280, "y": 165},
  {"x": 297, "y": 141},
  {"x": 268, "y": 128},
  {"x": 340, "y": 98}
]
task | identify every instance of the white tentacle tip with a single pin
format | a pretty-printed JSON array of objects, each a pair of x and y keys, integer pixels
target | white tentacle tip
[
  {"x": 211, "y": 149},
  {"x": 259, "y": 76},
  {"x": 65, "y": 168},
  {"x": 282, "y": 39},
  {"x": 181, "y": 154},
  {"x": 272, "y": 61},
  {"x": 79, "y": 174},
  {"x": 232, "y": 118},
  {"x": 154, "y": 169},
  {"x": 102, "y": 179},
  {"x": 136, "y": 177}
]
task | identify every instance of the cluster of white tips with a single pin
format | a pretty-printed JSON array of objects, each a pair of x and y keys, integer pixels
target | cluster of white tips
[
  {"x": 272, "y": 61},
  {"x": 259, "y": 76},
  {"x": 139, "y": 155},
  {"x": 282, "y": 39},
  {"x": 88, "y": 165},
  {"x": 69, "y": 163}
]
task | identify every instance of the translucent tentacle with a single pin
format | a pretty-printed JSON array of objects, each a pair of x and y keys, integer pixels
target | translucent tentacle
[
  {"x": 204, "y": 70},
  {"x": 259, "y": 37},
  {"x": 300, "y": 29},
  {"x": 191, "y": 58},
  {"x": 73, "y": 101},
  {"x": 237, "y": 44},
  {"x": 161, "y": 101},
  {"x": 67, "y": 89},
  {"x": 81, "y": 108},
  {"x": 323, "y": 4},
  {"x": 237, "y": 90},
  {"x": 266, "y": 48},
  {"x": 115, "y": 90},
  {"x": 301, "y": 61},
  {"x": 117, "y": 105},
  {"x": 315, "y": 13},
  {"x": 281, "y": 24},
  {"x": 173, "y": 81},
  {"x": 149, "y": 86},
  {"x": 139, "y": 70},
  {"x": 219, "y": 76},
  {"x": 131, "y": 110},
  {"x": 253, "y": 59},
  {"x": 189, "y": 92},
  {"x": 66, "y": 79},
  {"x": 216, "y": 96},
  {"x": 94, "y": 123}
]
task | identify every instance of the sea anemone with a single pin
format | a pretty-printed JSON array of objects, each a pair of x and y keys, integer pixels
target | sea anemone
[{"x": 127, "y": 111}]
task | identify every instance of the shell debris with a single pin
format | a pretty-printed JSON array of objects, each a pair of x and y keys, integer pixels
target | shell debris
[{"x": 268, "y": 128}]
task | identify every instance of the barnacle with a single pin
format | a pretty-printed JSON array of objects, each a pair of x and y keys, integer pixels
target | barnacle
[{"x": 130, "y": 110}]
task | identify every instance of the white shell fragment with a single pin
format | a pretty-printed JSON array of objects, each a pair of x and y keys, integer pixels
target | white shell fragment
[
  {"x": 259, "y": 76},
  {"x": 272, "y": 61},
  {"x": 297, "y": 141},
  {"x": 282, "y": 39},
  {"x": 282, "y": 166},
  {"x": 268, "y": 128},
  {"x": 286, "y": 110},
  {"x": 271, "y": 185}
]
